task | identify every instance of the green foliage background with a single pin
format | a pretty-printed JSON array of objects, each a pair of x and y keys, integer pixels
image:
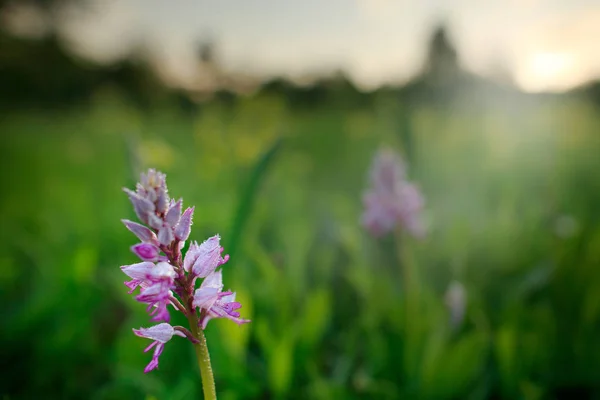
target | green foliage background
[{"x": 513, "y": 205}]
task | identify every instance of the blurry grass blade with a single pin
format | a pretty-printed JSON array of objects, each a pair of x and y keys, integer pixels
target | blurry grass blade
[
  {"x": 315, "y": 316},
  {"x": 246, "y": 201},
  {"x": 406, "y": 137},
  {"x": 132, "y": 144},
  {"x": 281, "y": 364}
]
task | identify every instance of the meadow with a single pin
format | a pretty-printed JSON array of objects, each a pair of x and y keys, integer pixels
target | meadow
[{"x": 513, "y": 213}]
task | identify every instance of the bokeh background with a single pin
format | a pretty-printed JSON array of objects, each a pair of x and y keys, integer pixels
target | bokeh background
[{"x": 266, "y": 116}]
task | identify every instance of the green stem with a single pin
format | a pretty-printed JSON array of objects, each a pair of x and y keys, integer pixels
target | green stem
[
  {"x": 187, "y": 308},
  {"x": 411, "y": 323},
  {"x": 404, "y": 261},
  {"x": 206, "y": 373}
]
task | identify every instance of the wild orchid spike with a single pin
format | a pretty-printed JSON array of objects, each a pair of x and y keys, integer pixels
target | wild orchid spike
[
  {"x": 167, "y": 278},
  {"x": 392, "y": 200}
]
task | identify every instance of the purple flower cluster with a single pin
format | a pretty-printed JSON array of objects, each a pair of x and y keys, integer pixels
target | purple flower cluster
[
  {"x": 167, "y": 279},
  {"x": 391, "y": 199}
]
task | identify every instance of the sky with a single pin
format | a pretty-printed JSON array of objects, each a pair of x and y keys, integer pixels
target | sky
[{"x": 546, "y": 45}]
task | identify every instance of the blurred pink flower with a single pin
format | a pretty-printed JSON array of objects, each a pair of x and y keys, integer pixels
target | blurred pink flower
[{"x": 391, "y": 200}]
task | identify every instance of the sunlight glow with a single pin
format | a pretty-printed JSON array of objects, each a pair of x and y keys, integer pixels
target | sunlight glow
[{"x": 549, "y": 71}]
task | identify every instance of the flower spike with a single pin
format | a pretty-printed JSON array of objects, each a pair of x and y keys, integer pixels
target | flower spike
[
  {"x": 391, "y": 199},
  {"x": 166, "y": 277}
]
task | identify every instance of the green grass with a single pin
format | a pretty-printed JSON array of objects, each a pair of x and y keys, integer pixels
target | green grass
[{"x": 513, "y": 200}]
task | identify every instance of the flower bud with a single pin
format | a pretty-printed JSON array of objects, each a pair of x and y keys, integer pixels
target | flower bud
[
  {"x": 146, "y": 251},
  {"x": 142, "y": 232},
  {"x": 173, "y": 215},
  {"x": 165, "y": 235},
  {"x": 183, "y": 228},
  {"x": 142, "y": 206}
]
